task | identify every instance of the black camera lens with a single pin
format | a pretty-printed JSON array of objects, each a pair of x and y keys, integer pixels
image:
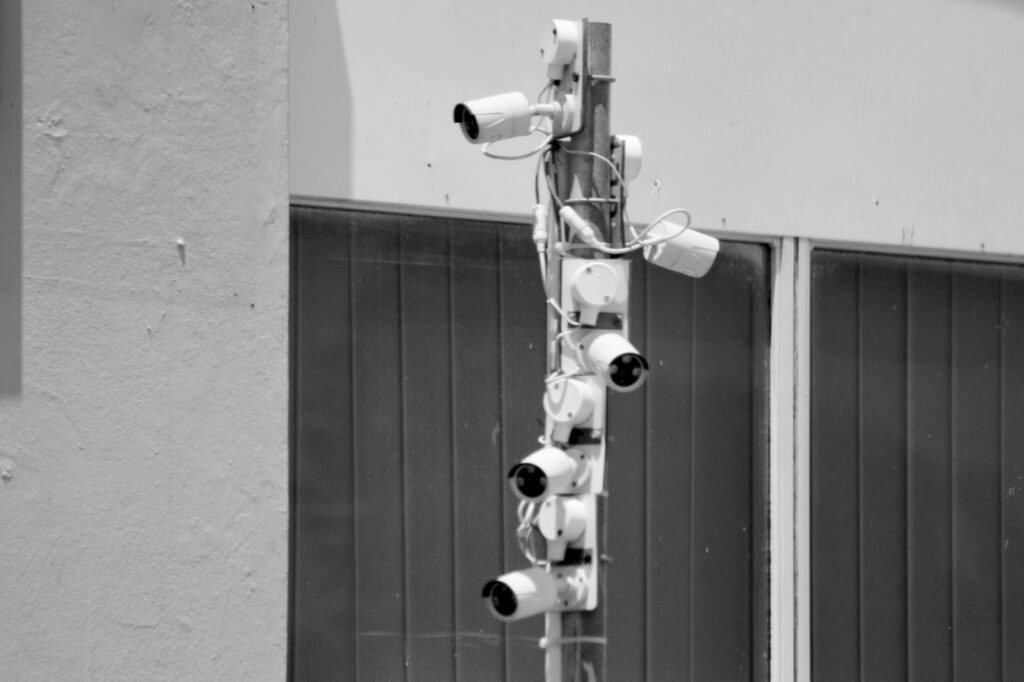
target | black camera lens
[
  {"x": 530, "y": 480},
  {"x": 470, "y": 125},
  {"x": 627, "y": 369},
  {"x": 502, "y": 597},
  {"x": 465, "y": 118}
]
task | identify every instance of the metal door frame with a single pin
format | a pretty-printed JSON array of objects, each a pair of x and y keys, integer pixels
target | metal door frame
[{"x": 789, "y": 491}]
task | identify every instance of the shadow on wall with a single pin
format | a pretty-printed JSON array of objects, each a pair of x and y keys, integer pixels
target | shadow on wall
[
  {"x": 320, "y": 128},
  {"x": 10, "y": 199}
]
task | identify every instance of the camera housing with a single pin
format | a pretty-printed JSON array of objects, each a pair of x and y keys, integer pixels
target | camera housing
[
  {"x": 560, "y": 50},
  {"x": 558, "y": 46},
  {"x": 510, "y": 114},
  {"x": 594, "y": 287},
  {"x": 532, "y": 591},
  {"x": 548, "y": 471},
  {"x": 564, "y": 520},
  {"x": 689, "y": 252},
  {"x": 570, "y": 403},
  {"x": 521, "y": 594},
  {"x": 628, "y": 153},
  {"x": 498, "y": 117},
  {"x": 609, "y": 355}
]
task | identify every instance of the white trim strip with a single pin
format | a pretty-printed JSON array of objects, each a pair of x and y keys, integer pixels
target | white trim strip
[
  {"x": 483, "y": 216},
  {"x": 781, "y": 475},
  {"x": 802, "y": 455},
  {"x": 910, "y": 251},
  {"x": 409, "y": 209}
]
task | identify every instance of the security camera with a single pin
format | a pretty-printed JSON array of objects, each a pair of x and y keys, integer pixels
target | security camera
[
  {"x": 501, "y": 117},
  {"x": 609, "y": 355},
  {"x": 559, "y": 45},
  {"x": 547, "y": 471},
  {"x": 563, "y": 520},
  {"x": 680, "y": 249},
  {"x": 629, "y": 153},
  {"x": 521, "y": 594},
  {"x": 494, "y": 118},
  {"x": 591, "y": 287},
  {"x": 569, "y": 403}
]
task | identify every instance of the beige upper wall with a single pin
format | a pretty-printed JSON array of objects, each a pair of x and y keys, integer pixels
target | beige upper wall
[
  {"x": 882, "y": 121},
  {"x": 144, "y": 458}
]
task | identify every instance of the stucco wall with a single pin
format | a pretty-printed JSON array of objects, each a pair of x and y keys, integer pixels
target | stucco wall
[
  {"x": 143, "y": 461},
  {"x": 883, "y": 121}
]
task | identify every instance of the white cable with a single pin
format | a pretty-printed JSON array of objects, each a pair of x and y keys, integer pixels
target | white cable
[
  {"x": 540, "y": 240},
  {"x": 618, "y": 175},
  {"x": 661, "y": 218},
  {"x": 540, "y": 226},
  {"x": 561, "y": 376},
  {"x": 536, "y": 176},
  {"x": 588, "y": 235},
  {"x": 551, "y": 182},
  {"x": 543, "y": 259},
  {"x": 527, "y": 512},
  {"x": 516, "y": 157},
  {"x": 558, "y": 309}
]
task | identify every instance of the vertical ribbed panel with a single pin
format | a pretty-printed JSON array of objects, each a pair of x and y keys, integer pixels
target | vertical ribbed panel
[
  {"x": 916, "y": 466},
  {"x": 687, "y": 476},
  {"x": 419, "y": 360}
]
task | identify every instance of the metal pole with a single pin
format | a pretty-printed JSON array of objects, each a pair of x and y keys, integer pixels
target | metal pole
[
  {"x": 590, "y": 178},
  {"x": 583, "y": 632}
]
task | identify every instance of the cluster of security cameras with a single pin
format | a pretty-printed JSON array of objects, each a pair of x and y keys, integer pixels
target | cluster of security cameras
[
  {"x": 558, "y": 483},
  {"x": 500, "y": 117},
  {"x": 565, "y": 521},
  {"x": 563, "y": 478}
]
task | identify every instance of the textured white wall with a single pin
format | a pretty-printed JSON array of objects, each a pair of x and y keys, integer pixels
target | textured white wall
[
  {"x": 143, "y": 463},
  {"x": 884, "y": 121}
]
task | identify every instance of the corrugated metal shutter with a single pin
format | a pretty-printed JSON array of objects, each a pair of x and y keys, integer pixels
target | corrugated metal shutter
[
  {"x": 418, "y": 364},
  {"x": 917, "y": 469}
]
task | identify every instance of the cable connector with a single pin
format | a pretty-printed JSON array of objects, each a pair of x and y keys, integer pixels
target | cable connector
[
  {"x": 540, "y": 227},
  {"x": 581, "y": 227}
]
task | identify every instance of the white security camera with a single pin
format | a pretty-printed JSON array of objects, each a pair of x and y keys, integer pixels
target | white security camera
[
  {"x": 547, "y": 471},
  {"x": 569, "y": 403},
  {"x": 494, "y": 118},
  {"x": 594, "y": 286},
  {"x": 689, "y": 252},
  {"x": 629, "y": 153},
  {"x": 610, "y": 356},
  {"x": 509, "y": 114},
  {"x": 559, "y": 45},
  {"x": 521, "y": 594},
  {"x": 562, "y": 520}
]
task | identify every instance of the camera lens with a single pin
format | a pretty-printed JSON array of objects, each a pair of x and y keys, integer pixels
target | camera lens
[
  {"x": 465, "y": 118},
  {"x": 470, "y": 125},
  {"x": 627, "y": 369},
  {"x": 530, "y": 480},
  {"x": 502, "y": 597}
]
